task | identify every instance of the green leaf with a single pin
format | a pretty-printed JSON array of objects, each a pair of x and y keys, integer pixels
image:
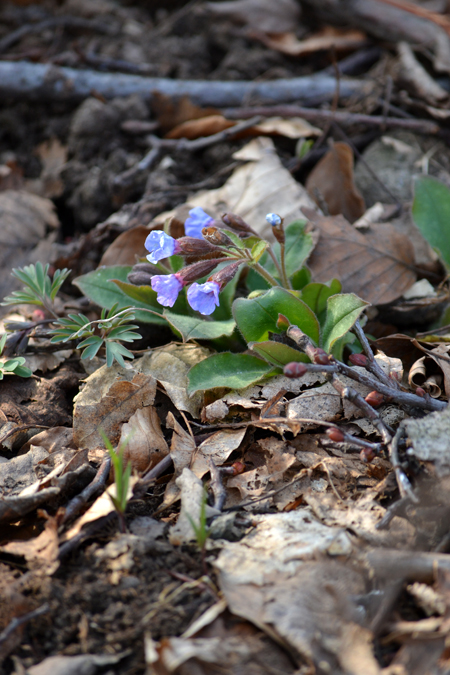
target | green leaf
[
  {"x": 255, "y": 317},
  {"x": 91, "y": 350},
  {"x": 23, "y": 371},
  {"x": 300, "y": 278},
  {"x": 342, "y": 312},
  {"x": 3, "y": 341},
  {"x": 316, "y": 294},
  {"x": 114, "y": 350},
  {"x": 298, "y": 246},
  {"x": 254, "y": 281},
  {"x": 234, "y": 371},
  {"x": 431, "y": 214},
  {"x": 258, "y": 249},
  {"x": 194, "y": 328},
  {"x": 278, "y": 353},
  {"x": 97, "y": 287}
]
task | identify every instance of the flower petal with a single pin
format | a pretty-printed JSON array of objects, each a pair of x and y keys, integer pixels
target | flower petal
[
  {"x": 197, "y": 220},
  {"x": 204, "y": 298},
  {"x": 160, "y": 245},
  {"x": 167, "y": 287}
]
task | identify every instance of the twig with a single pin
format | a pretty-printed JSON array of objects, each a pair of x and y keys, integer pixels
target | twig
[
  {"x": 15, "y": 623},
  {"x": 343, "y": 118},
  {"x": 372, "y": 364},
  {"x": 401, "y": 397},
  {"x": 54, "y": 22},
  {"x": 140, "y": 488},
  {"x": 352, "y": 395},
  {"x": 95, "y": 487},
  {"x": 165, "y": 144},
  {"x": 403, "y": 483},
  {"x": 40, "y": 81}
]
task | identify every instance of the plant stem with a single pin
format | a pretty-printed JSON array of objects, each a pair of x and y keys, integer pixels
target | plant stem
[
  {"x": 275, "y": 260},
  {"x": 284, "y": 277},
  {"x": 268, "y": 277}
]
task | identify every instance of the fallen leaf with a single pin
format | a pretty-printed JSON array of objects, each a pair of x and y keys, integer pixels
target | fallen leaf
[
  {"x": 143, "y": 439},
  {"x": 53, "y": 156},
  {"x": 217, "y": 447},
  {"x": 75, "y": 665},
  {"x": 170, "y": 113},
  {"x": 28, "y": 227},
  {"x": 182, "y": 449},
  {"x": 430, "y": 439},
  {"x": 262, "y": 185},
  {"x": 294, "y": 127},
  {"x": 127, "y": 249},
  {"x": 376, "y": 265},
  {"x": 192, "y": 495},
  {"x": 332, "y": 182},
  {"x": 109, "y": 398},
  {"x": 262, "y": 15},
  {"x": 328, "y": 39},
  {"x": 41, "y": 551}
]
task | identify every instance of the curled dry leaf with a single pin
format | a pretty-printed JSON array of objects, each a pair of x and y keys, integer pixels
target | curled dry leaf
[
  {"x": 377, "y": 265},
  {"x": 332, "y": 182},
  {"x": 143, "y": 439},
  {"x": 182, "y": 449}
]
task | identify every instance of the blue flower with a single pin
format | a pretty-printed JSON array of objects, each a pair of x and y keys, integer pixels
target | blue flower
[
  {"x": 167, "y": 286},
  {"x": 273, "y": 219},
  {"x": 160, "y": 245},
  {"x": 197, "y": 220},
  {"x": 204, "y": 298}
]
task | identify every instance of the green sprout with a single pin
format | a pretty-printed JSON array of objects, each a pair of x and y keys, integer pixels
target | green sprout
[
  {"x": 201, "y": 530},
  {"x": 39, "y": 288},
  {"x": 121, "y": 477},
  {"x": 14, "y": 366},
  {"x": 104, "y": 332}
]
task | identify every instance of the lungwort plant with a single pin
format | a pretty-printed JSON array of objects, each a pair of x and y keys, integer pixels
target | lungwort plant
[{"x": 198, "y": 300}]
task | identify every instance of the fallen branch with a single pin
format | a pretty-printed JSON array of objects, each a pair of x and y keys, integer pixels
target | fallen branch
[{"x": 39, "y": 81}]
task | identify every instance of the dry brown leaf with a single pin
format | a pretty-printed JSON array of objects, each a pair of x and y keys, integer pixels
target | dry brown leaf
[
  {"x": 262, "y": 15},
  {"x": 170, "y": 113},
  {"x": 196, "y": 128},
  {"x": 376, "y": 265},
  {"x": 182, "y": 449},
  {"x": 127, "y": 248},
  {"x": 41, "y": 551},
  {"x": 294, "y": 127},
  {"x": 262, "y": 185},
  {"x": 25, "y": 221},
  {"x": 109, "y": 398},
  {"x": 217, "y": 447},
  {"x": 329, "y": 38},
  {"x": 143, "y": 439},
  {"x": 332, "y": 182},
  {"x": 53, "y": 156}
]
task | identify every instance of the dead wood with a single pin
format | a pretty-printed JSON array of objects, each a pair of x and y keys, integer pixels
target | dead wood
[
  {"x": 37, "y": 81},
  {"x": 391, "y": 20}
]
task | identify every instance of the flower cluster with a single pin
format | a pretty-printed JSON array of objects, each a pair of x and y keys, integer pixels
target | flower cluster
[
  {"x": 203, "y": 298},
  {"x": 203, "y": 238}
]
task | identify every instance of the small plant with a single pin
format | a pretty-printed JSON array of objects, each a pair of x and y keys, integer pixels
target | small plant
[
  {"x": 14, "y": 366},
  {"x": 121, "y": 477},
  {"x": 38, "y": 288},
  {"x": 201, "y": 530},
  {"x": 197, "y": 300},
  {"x": 106, "y": 332}
]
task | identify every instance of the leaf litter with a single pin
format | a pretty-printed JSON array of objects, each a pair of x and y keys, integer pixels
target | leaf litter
[{"x": 313, "y": 544}]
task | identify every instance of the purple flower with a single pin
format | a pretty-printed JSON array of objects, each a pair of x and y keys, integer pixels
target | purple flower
[
  {"x": 204, "y": 298},
  {"x": 167, "y": 286},
  {"x": 197, "y": 220},
  {"x": 273, "y": 219},
  {"x": 160, "y": 245}
]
